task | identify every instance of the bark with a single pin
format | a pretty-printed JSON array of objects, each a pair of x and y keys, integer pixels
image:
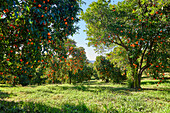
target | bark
[
  {"x": 70, "y": 77},
  {"x": 136, "y": 83},
  {"x": 139, "y": 79},
  {"x": 107, "y": 80},
  {"x": 70, "y": 80}
]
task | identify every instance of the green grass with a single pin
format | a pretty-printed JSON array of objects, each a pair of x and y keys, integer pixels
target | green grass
[{"x": 88, "y": 97}]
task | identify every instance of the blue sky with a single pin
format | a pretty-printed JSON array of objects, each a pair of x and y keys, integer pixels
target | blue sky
[{"x": 80, "y": 38}]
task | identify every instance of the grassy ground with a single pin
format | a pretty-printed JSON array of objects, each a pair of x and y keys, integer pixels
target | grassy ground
[{"x": 89, "y": 97}]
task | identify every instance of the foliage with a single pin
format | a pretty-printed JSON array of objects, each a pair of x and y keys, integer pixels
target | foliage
[
  {"x": 106, "y": 70},
  {"x": 74, "y": 67},
  {"x": 140, "y": 27},
  {"x": 94, "y": 72},
  {"x": 31, "y": 28},
  {"x": 118, "y": 57},
  {"x": 76, "y": 63}
]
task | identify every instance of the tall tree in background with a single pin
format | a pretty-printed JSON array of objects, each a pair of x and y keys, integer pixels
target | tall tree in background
[
  {"x": 74, "y": 67},
  {"x": 29, "y": 28},
  {"x": 107, "y": 71},
  {"x": 76, "y": 61},
  {"x": 139, "y": 26},
  {"x": 119, "y": 57}
]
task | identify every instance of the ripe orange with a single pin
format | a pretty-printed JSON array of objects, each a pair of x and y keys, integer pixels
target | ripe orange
[
  {"x": 39, "y": 5},
  {"x": 136, "y": 42},
  {"x": 71, "y": 48}
]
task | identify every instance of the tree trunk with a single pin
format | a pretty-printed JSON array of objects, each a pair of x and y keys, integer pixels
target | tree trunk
[
  {"x": 70, "y": 80},
  {"x": 136, "y": 82},
  {"x": 139, "y": 79},
  {"x": 70, "y": 77},
  {"x": 107, "y": 80}
]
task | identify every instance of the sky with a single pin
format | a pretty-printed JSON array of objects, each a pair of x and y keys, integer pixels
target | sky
[{"x": 81, "y": 36}]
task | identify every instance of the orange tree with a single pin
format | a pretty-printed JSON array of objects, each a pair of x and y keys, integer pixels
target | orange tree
[
  {"x": 85, "y": 74},
  {"x": 119, "y": 58},
  {"x": 139, "y": 26},
  {"x": 80, "y": 69},
  {"x": 57, "y": 71},
  {"x": 73, "y": 68},
  {"x": 92, "y": 70},
  {"x": 76, "y": 61},
  {"x": 106, "y": 70},
  {"x": 58, "y": 68},
  {"x": 28, "y": 29}
]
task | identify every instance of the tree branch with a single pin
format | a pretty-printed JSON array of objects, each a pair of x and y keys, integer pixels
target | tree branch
[
  {"x": 143, "y": 68},
  {"x": 140, "y": 65},
  {"x": 122, "y": 44}
]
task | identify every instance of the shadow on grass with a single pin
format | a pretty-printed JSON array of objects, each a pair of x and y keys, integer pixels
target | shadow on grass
[
  {"x": 122, "y": 90},
  {"x": 6, "y": 85},
  {"x": 71, "y": 108},
  {"x": 154, "y": 89},
  {"x": 97, "y": 89},
  {"x": 94, "y": 82},
  {"x": 5, "y": 95},
  {"x": 31, "y": 107},
  {"x": 153, "y": 82}
]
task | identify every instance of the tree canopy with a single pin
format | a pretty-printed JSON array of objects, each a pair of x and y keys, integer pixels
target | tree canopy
[
  {"x": 31, "y": 28},
  {"x": 139, "y": 26}
]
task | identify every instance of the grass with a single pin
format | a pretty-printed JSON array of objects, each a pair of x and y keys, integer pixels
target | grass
[{"x": 89, "y": 97}]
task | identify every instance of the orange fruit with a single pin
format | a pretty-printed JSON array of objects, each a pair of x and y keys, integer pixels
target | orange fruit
[{"x": 39, "y": 5}]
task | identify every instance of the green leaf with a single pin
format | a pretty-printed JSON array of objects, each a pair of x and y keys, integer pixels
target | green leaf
[{"x": 28, "y": 9}]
